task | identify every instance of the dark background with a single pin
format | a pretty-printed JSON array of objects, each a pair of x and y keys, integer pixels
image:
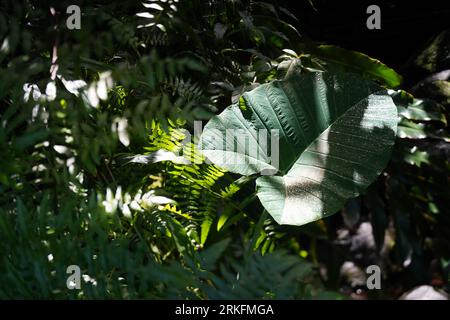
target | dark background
[{"x": 406, "y": 26}]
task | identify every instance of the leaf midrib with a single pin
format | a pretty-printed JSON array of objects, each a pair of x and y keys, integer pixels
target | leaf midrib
[{"x": 335, "y": 120}]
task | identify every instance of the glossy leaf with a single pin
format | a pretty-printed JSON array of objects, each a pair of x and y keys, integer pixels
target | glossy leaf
[{"x": 347, "y": 60}]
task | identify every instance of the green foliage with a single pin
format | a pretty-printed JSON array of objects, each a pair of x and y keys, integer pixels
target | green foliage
[
  {"x": 77, "y": 111},
  {"x": 344, "y": 60},
  {"x": 334, "y": 139},
  {"x": 97, "y": 170},
  {"x": 272, "y": 276}
]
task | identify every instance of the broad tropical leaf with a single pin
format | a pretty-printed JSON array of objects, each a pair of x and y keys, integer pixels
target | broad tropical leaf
[
  {"x": 347, "y": 60},
  {"x": 334, "y": 134}
]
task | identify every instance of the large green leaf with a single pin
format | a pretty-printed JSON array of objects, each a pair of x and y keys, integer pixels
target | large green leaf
[
  {"x": 335, "y": 133},
  {"x": 353, "y": 61}
]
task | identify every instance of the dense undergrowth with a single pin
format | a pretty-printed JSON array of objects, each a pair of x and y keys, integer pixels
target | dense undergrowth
[{"x": 92, "y": 170}]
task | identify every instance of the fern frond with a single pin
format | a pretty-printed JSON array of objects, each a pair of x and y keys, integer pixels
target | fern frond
[{"x": 197, "y": 187}]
